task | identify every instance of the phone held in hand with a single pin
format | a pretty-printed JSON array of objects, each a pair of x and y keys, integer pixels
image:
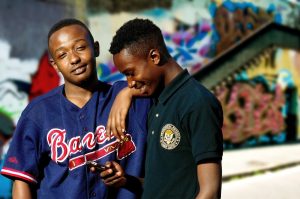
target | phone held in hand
[{"x": 97, "y": 166}]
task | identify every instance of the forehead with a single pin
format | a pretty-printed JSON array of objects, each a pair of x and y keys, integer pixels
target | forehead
[
  {"x": 67, "y": 34},
  {"x": 124, "y": 59}
]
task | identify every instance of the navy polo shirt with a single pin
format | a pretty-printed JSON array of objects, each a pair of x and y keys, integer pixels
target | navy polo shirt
[{"x": 184, "y": 127}]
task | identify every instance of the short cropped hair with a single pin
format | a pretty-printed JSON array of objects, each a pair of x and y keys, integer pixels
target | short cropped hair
[
  {"x": 139, "y": 36},
  {"x": 68, "y": 22}
]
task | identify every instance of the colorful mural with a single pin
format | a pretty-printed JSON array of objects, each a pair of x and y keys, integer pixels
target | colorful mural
[
  {"x": 22, "y": 80},
  {"x": 252, "y": 113},
  {"x": 261, "y": 105},
  {"x": 195, "y": 32},
  {"x": 15, "y": 80}
]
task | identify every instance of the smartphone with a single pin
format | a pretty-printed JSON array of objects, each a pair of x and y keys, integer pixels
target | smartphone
[{"x": 97, "y": 166}]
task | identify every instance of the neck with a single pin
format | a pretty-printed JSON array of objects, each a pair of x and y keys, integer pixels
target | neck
[
  {"x": 80, "y": 94},
  {"x": 172, "y": 69}
]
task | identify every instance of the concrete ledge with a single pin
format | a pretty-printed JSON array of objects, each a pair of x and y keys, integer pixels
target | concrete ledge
[{"x": 245, "y": 162}]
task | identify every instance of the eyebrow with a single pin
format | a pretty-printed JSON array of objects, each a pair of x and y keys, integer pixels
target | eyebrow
[{"x": 77, "y": 40}]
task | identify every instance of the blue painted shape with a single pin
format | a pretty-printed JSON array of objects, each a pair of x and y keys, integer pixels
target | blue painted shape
[
  {"x": 212, "y": 9},
  {"x": 280, "y": 138},
  {"x": 229, "y": 6},
  {"x": 264, "y": 139}
]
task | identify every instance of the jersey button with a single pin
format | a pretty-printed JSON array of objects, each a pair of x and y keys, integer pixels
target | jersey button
[
  {"x": 93, "y": 194},
  {"x": 81, "y": 117},
  {"x": 84, "y": 129},
  {"x": 152, "y": 132},
  {"x": 156, "y": 115}
]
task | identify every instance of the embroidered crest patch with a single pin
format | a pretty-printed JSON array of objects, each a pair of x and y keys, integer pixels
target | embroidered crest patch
[{"x": 169, "y": 137}]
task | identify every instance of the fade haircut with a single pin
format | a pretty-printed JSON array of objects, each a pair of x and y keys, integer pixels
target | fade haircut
[
  {"x": 68, "y": 22},
  {"x": 139, "y": 36}
]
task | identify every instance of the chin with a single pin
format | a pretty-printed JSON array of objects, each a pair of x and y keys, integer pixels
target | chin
[{"x": 148, "y": 93}]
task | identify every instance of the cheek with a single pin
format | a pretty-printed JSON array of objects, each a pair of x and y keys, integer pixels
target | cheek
[
  {"x": 86, "y": 57},
  {"x": 62, "y": 63},
  {"x": 152, "y": 85},
  {"x": 153, "y": 78}
]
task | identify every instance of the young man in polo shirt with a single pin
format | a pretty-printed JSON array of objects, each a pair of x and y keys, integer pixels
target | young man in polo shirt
[{"x": 185, "y": 145}]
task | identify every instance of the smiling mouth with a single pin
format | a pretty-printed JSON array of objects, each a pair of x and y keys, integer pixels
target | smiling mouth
[
  {"x": 142, "y": 88},
  {"x": 79, "y": 70},
  {"x": 139, "y": 85}
]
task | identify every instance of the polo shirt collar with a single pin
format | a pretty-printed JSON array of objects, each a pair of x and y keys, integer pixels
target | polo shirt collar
[{"x": 173, "y": 86}]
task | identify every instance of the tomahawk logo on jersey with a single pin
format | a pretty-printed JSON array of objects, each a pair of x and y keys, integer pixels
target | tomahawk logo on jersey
[{"x": 54, "y": 138}]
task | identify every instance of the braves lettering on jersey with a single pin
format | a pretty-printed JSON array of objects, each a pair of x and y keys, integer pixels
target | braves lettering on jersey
[{"x": 54, "y": 138}]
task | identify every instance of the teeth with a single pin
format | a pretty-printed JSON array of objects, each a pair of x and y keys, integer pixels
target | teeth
[
  {"x": 79, "y": 70},
  {"x": 139, "y": 85}
]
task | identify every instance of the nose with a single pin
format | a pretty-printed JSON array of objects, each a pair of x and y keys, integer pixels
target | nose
[
  {"x": 131, "y": 82},
  {"x": 74, "y": 59}
]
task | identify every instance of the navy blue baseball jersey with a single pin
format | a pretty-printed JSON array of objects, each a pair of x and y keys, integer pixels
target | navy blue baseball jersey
[{"x": 54, "y": 138}]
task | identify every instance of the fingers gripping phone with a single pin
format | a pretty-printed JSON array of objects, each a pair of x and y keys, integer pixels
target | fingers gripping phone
[{"x": 98, "y": 167}]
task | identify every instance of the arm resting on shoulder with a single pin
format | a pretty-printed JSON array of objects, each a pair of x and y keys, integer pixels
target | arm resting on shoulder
[
  {"x": 118, "y": 112},
  {"x": 210, "y": 179}
]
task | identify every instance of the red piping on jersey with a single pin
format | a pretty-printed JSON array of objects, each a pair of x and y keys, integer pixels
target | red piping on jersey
[
  {"x": 18, "y": 174},
  {"x": 92, "y": 156}
]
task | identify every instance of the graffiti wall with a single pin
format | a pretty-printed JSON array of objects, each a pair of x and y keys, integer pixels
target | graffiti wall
[
  {"x": 23, "y": 41},
  {"x": 22, "y": 80},
  {"x": 261, "y": 105},
  {"x": 195, "y": 31},
  {"x": 14, "y": 82}
]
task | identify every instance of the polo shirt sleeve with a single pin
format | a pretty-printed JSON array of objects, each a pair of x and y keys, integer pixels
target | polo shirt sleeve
[
  {"x": 204, "y": 127},
  {"x": 21, "y": 159}
]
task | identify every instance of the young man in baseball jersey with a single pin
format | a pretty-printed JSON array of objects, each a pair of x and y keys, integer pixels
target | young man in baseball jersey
[
  {"x": 60, "y": 131},
  {"x": 184, "y": 145}
]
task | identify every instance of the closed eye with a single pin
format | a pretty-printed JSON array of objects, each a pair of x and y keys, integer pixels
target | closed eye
[
  {"x": 128, "y": 73},
  {"x": 80, "y": 48},
  {"x": 61, "y": 56}
]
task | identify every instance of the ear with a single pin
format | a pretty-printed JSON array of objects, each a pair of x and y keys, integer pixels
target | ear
[
  {"x": 96, "y": 48},
  {"x": 53, "y": 64},
  {"x": 154, "y": 56}
]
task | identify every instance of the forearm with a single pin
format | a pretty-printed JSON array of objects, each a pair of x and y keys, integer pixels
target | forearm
[
  {"x": 208, "y": 195},
  {"x": 210, "y": 180},
  {"x": 132, "y": 92},
  {"x": 21, "y": 190}
]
